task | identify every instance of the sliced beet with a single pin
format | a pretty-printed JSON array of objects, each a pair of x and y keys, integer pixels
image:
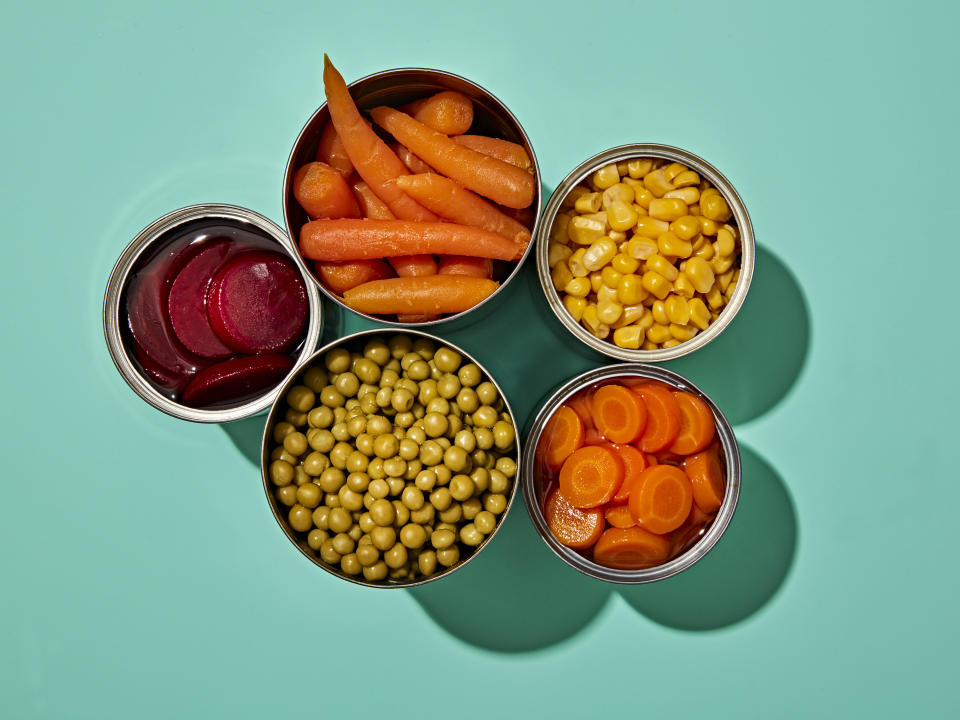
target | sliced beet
[
  {"x": 186, "y": 303},
  {"x": 165, "y": 380},
  {"x": 257, "y": 302},
  {"x": 236, "y": 380}
]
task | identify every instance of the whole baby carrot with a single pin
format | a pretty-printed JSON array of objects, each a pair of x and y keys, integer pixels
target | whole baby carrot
[
  {"x": 448, "y": 112},
  {"x": 501, "y": 182},
  {"x": 463, "y": 265},
  {"x": 430, "y": 295},
  {"x": 370, "y": 205},
  {"x": 332, "y": 152},
  {"x": 323, "y": 193},
  {"x": 410, "y": 161},
  {"x": 509, "y": 152},
  {"x": 344, "y": 239},
  {"x": 340, "y": 277},
  {"x": 371, "y": 157},
  {"x": 453, "y": 202}
]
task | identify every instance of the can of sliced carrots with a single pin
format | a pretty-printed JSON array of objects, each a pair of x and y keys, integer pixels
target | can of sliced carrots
[
  {"x": 630, "y": 473},
  {"x": 413, "y": 195}
]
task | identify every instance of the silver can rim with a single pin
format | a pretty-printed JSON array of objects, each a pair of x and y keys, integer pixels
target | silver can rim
[
  {"x": 117, "y": 283},
  {"x": 705, "y": 169},
  {"x": 720, "y": 523},
  {"x": 538, "y": 200},
  {"x": 274, "y": 413}
]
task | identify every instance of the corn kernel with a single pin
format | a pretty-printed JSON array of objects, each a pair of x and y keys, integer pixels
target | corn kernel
[
  {"x": 646, "y": 320},
  {"x": 639, "y": 167},
  {"x": 620, "y": 191},
  {"x": 591, "y": 321},
  {"x": 678, "y": 311},
  {"x": 703, "y": 248},
  {"x": 650, "y": 227},
  {"x": 561, "y": 275},
  {"x": 720, "y": 264},
  {"x": 699, "y": 314},
  {"x": 683, "y": 332},
  {"x": 557, "y": 252},
  {"x": 622, "y": 167},
  {"x": 630, "y": 289},
  {"x": 633, "y": 314},
  {"x": 589, "y": 203},
  {"x": 649, "y": 345},
  {"x": 641, "y": 248},
  {"x": 657, "y": 182},
  {"x": 670, "y": 244},
  {"x": 605, "y": 177},
  {"x": 606, "y": 294},
  {"x": 708, "y": 226},
  {"x": 628, "y": 337},
  {"x": 700, "y": 274},
  {"x": 621, "y": 216},
  {"x": 610, "y": 276},
  {"x": 558, "y": 231},
  {"x": 668, "y": 209},
  {"x": 574, "y": 306},
  {"x": 642, "y": 196},
  {"x": 695, "y": 209},
  {"x": 596, "y": 281},
  {"x": 575, "y": 263},
  {"x": 659, "y": 311},
  {"x": 725, "y": 242},
  {"x": 672, "y": 342},
  {"x": 578, "y": 287},
  {"x": 686, "y": 179},
  {"x": 713, "y": 206},
  {"x": 673, "y": 170},
  {"x": 729, "y": 293},
  {"x": 600, "y": 216},
  {"x": 623, "y": 263},
  {"x": 584, "y": 231},
  {"x": 659, "y": 264},
  {"x": 659, "y": 333},
  {"x": 599, "y": 254},
  {"x": 689, "y": 195},
  {"x": 571, "y": 199},
  {"x": 632, "y": 183},
  {"x": 641, "y": 210},
  {"x": 609, "y": 312},
  {"x": 723, "y": 280},
  {"x": 618, "y": 236},
  {"x": 715, "y": 298},
  {"x": 656, "y": 284},
  {"x": 686, "y": 227},
  {"x": 683, "y": 287}
]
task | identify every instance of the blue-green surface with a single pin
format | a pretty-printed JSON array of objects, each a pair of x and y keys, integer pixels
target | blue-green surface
[{"x": 143, "y": 574}]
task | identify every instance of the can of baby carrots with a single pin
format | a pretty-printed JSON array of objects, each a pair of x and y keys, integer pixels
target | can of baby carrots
[{"x": 682, "y": 547}]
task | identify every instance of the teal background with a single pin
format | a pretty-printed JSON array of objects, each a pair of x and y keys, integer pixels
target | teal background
[{"x": 143, "y": 574}]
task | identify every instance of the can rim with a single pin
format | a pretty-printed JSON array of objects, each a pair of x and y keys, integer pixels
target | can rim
[
  {"x": 704, "y": 168},
  {"x": 720, "y": 523},
  {"x": 275, "y": 410},
  {"x": 119, "y": 277},
  {"x": 538, "y": 200}
]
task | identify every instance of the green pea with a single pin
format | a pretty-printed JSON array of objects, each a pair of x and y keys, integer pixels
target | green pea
[
  {"x": 416, "y": 434},
  {"x": 401, "y": 400},
  {"x": 471, "y": 508},
  {"x": 438, "y": 405},
  {"x": 448, "y": 557},
  {"x": 315, "y": 378},
  {"x": 465, "y": 439},
  {"x": 340, "y": 432},
  {"x": 455, "y": 458},
  {"x": 339, "y": 454},
  {"x": 413, "y": 536},
  {"x": 385, "y": 446},
  {"x": 281, "y": 473},
  {"x": 400, "y": 345},
  {"x": 339, "y": 415},
  {"x": 315, "y": 463},
  {"x": 487, "y": 393},
  {"x": 499, "y": 483},
  {"x": 384, "y": 537},
  {"x": 331, "y": 479},
  {"x": 300, "y": 398},
  {"x": 403, "y": 420},
  {"x": 355, "y": 532},
  {"x": 368, "y": 403},
  {"x": 321, "y": 517},
  {"x": 424, "y": 347},
  {"x": 470, "y": 375},
  {"x": 295, "y": 417},
  {"x": 454, "y": 425},
  {"x": 337, "y": 360},
  {"x": 339, "y": 520},
  {"x": 396, "y": 557},
  {"x": 479, "y": 458},
  {"x": 467, "y": 400},
  {"x": 427, "y": 392},
  {"x": 300, "y": 518},
  {"x": 412, "y": 497},
  {"x": 375, "y": 469},
  {"x": 443, "y": 474},
  {"x": 461, "y": 487},
  {"x": 376, "y": 572},
  {"x": 434, "y": 424},
  {"x": 396, "y": 485},
  {"x": 321, "y": 440},
  {"x": 418, "y": 370},
  {"x": 281, "y": 430},
  {"x": 367, "y": 371},
  {"x": 320, "y": 417},
  {"x": 364, "y": 443},
  {"x": 408, "y": 359},
  {"x": 481, "y": 479},
  {"x": 388, "y": 378},
  {"x": 295, "y": 443},
  {"x": 331, "y": 397},
  {"x": 425, "y": 480},
  {"x": 367, "y": 555},
  {"x": 331, "y": 500},
  {"x": 383, "y": 397},
  {"x": 287, "y": 495},
  {"x": 485, "y": 416},
  {"x": 431, "y": 453},
  {"x": 316, "y": 538},
  {"x": 357, "y": 462},
  {"x": 350, "y": 500},
  {"x": 441, "y": 539},
  {"x": 300, "y": 476},
  {"x": 377, "y": 351},
  {"x": 443, "y": 442},
  {"x": 327, "y": 553},
  {"x": 507, "y": 466},
  {"x": 350, "y": 565},
  {"x": 441, "y": 499},
  {"x": 427, "y": 562},
  {"x": 395, "y": 467},
  {"x": 358, "y": 481},
  {"x": 347, "y": 384},
  {"x": 503, "y": 434},
  {"x": 484, "y": 438},
  {"x": 408, "y": 449},
  {"x": 469, "y": 535},
  {"x": 379, "y": 488},
  {"x": 403, "y": 514},
  {"x": 448, "y": 386},
  {"x": 447, "y": 360},
  {"x": 309, "y": 495}
]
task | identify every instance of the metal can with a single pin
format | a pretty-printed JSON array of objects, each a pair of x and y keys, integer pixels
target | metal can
[
  {"x": 354, "y": 341},
  {"x": 395, "y": 88},
  {"x": 705, "y": 170},
  {"x": 534, "y": 489},
  {"x": 153, "y": 237}
]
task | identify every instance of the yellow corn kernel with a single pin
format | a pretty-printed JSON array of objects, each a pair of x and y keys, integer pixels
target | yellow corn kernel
[
  {"x": 622, "y": 248},
  {"x": 632, "y": 183},
  {"x": 558, "y": 231},
  {"x": 621, "y": 216},
  {"x": 673, "y": 170},
  {"x": 714, "y": 316},
  {"x": 699, "y": 314},
  {"x": 574, "y": 306},
  {"x": 705, "y": 185},
  {"x": 557, "y": 252},
  {"x": 639, "y": 167},
  {"x": 650, "y": 227},
  {"x": 578, "y": 287},
  {"x": 659, "y": 264},
  {"x": 659, "y": 311},
  {"x": 635, "y": 315},
  {"x": 584, "y": 230},
  {"x": 596, "y": 281},
  {"x": 671, "y": 245},
  {"x": 622, "y": 167},
  {"x": 678, "y": 311},
  {"x": 703, "y": 248},
  {"x": 709, "y": 227},
  {"x": 623, "y": 263},
  {"x": 599, "y": 254},
  {"x": 659, "y": 333},
  {"x": 609, "y": 312},
  {"x": 628, "y": 338},
  {"x": 649, "y": 300},
  {"x": 685, "y": 179},
  {"x": 686, "y": 227},
  {"x": 729, "y": 293},
  {"x": 571, "y": 199},
  {"x": 641, "y": 211},
  {"x": 591, "y": 322},
  {"x": 575, "y": 263},
  {"x": 618, "y": 236},
  {"x": 600, "y": 216},
  {"x": 683, "y": 332},
  {"x": 606, "y": 294},
  {"x": 657, "y": 182},
  {"x": 713, "y": 206},
  {"x": 630, "y": 289},
  {"x": 700, "y": 274},
  {"x": 720, "y": 264},
  {"x": 683, "y": 287},
  {"x": 656, "y": 284},
  {"x": 610, "y": 277},
  {"x": 672, "y": 342},
  {"x": 725, "y": 243},
  {"x": 620, "y": 191},
  {"x": 695, "y": 209},
  {"x": 715, "y": 298},
  {"x": 560, "y": 275},
  {"x": 723, "y": 279},
  {"x": 668, "y": 209},
  {"x": 641, "y": 248},
  {"x": 642, "y": 196},
  {"x": 605, "y": 177},
  {"x": 589, "y": 203},
  {"x": 649, "y": 345},
  {"x": 689, "y": 195}
]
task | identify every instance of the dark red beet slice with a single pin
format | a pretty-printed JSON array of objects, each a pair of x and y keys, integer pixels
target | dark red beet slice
[
  {"x": 187, "y": 302},
  {"x": 236, "y": 380},
  {"x": 257, "y": 302},
  {"x": 147, "y": 317},
  {"x": 164, "y": 379}
]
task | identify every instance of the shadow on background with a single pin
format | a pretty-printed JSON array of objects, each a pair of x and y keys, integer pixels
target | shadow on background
[
  {"x": 246, "y": 435},
  {"x": 515, "y": 596},
  {"x": 753, "y": 363},
  {"x": 745, "y": 568}
]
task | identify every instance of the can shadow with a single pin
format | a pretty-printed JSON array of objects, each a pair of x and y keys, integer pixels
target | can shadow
[
  {"x": 742, "y": 572},
  {"x": 752, "y": 364},
  {"x": 515, "y": 596},
  {"x": 246, "y": 435}
]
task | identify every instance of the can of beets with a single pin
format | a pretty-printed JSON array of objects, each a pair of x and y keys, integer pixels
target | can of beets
[{"x": 207, "y": 312}]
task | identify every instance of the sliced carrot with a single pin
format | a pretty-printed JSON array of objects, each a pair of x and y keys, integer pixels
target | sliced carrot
[
  {"x": 508, "y": 152},
  {"x": 696, "y": 424},
  {"x": 339, "y": 240},
  {"x": 666, "y": 457},
  {"x": 427, "y": 295},
  {"x": 413, "y": 265},
  {"x": 638, "y": 382},
  {"x": 562, "y": 435},
  {"x": 332, "y": 152},
  {"x": 323, "y": 193},
  {"x": 411, "y": 161},
  {"x": 661, "y": 500},
  {"x": 575, "y": 528},
  {"x": 591, "y": 476},
  {"x": 370, "y": 205},
  {"x": 453, "y": 202},
  {"x": 581, "y": 405},
  {"x": 634, "y": 463},
  {"x": 448, "y": 112},
  {"x": 340, "y": 277},
  {"x": 630, "y": 548},
  {"x": 619, "y": 516},
  {"x": 706, "y": 478},
  {"x": 373, "y": 160},
  {"x": 501, "y": 182},
  {"x": 619, "y": 414},
  {"x": 463, "y": 265},
  {"x": 663, "y": 416}
]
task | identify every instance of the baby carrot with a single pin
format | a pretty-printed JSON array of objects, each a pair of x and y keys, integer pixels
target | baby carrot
[
  {"x": 463, "y": 265},
  {"x": 413, "y": 265},
  {"x": 448, "y": 112},
  {"x": 591, "y": 476},
  {"x": 501, "y": 182},
  {"x": 375, "y": 209},
  {"x": 404, "y": 318},
  {"x": 323, "y": 193},
  {"x": 428, "y": 295},
  {"x": 509, "y": 152},
  {"x": 339, "y": 240},
  {"x": 371, "y": 206},
  {"x": 696, "y": 424},
  {"x": 411, "y": 161},
  {"x": 661, "y": 500},
  {"x": 340, "y": 277},
  {"x": 453, "y": 202},
  {"x": 562, "y": 435},
  {"x": 706, "y": 478},
  {"x": 619, "y": 516},
  {"x": 371, "y": 157},
  {"x": 332, "y": 152},
  {"x": 619, "y": 414},
  {"x": 663, "y": 414},
  {"x": 630, "y": 548},
  {"x": 575, "y": 528}
]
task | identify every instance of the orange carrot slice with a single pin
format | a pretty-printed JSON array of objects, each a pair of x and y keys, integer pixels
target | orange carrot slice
[
  {"x": 663, "y": 416},
  {"x": 411, "y": 161},
  {"x": 463, "y": 265},
  {"x": 696, "y": 424},
  {"x": 573, "y": 527},
  {"x": 370, "y": 205},
  {"x": 340, "y": 277},
  {"x": 509, "y": 152},
  {"x": 661, "y": 501},
  {"x": 580, "y": 403},
  {"x": 706, "y": 478},
  {"x": 501, "y": 182},
  {"x": 591, "y": 476},
  {"x": 619, "y": 516},
  {"x": 634, "y": 463},
  {"x": 323, "y": 193},
  {"x": 427, "y": 295},
  {"x": 448, "y": 112},
  {"x": 562, "y": 435},
  {"x": 332, "y": 152},
  {"x": 618, "y": 413},
  {"x": 630, "y": 548}
]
